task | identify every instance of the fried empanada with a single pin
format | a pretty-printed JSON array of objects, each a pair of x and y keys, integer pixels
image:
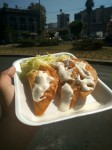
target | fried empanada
[
  {"x": 43, "y": 83},
  {"x": 77, "y": 78},
  {"x": 87, "y": 78},
  {"x": 69, "y": 91}
]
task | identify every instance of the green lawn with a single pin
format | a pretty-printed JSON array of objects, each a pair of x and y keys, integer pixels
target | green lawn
[{"x": 103, "y": 54}]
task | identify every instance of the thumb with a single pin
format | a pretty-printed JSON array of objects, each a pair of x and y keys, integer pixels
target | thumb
[
  {"x": 6, "y": 87},
  {"x": 6, "y": 76},
  {"x": 10, "y": 72}
]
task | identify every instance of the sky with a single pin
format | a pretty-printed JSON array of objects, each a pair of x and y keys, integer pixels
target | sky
[{"x": 53, "y": 6}]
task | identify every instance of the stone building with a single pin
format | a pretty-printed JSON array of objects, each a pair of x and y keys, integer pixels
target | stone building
[
  {"x": 17, "y": 23},
  {"x": 100, "y": 17},
  {"x": 63, "y": 21},
  {"x": 52, "y": 27},
  {"x": 109, "y": 27}
]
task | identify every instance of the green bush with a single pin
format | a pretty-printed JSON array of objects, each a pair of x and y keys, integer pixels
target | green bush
[
  {"x": 27, "y": 43},
  {"x": 97, "y": 44},
  {"x": 87, "y": 44},
  {"x": 48, "y": 42},
  {"x": 41, "y": 42}
]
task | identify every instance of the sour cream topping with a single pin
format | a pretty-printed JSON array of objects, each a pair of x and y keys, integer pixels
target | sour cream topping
[
  {"x": 82, "y": 69},
  {"x": 87, "y": 83},
  {"x": 66, "y": 96},
  {"x": 64, "y": 72},
  {"x": 42, "y": 83}
]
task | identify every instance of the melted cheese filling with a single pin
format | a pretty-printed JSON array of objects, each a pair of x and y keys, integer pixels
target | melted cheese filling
[{"x": 42, "y": 83}]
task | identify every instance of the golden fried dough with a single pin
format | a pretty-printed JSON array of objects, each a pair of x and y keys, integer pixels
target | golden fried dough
[
  {"x": 41, "y": 106},
  {"x": 81, "y": 78},
  {"x": 93, "y": 73},
  {"x": 77, "y": 75}
]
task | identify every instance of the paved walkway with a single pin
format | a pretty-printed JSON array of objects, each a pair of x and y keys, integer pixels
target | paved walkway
[{"x": 97, "y": 61}]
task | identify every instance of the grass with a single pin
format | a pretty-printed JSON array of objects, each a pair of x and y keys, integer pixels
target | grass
[{"x": 103, "y": 54}]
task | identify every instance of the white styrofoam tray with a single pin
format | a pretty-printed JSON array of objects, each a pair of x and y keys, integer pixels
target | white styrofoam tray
[{"x": 99, "y": 100}]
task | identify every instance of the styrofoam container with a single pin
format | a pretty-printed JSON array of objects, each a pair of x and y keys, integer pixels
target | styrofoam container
[{"x": 100, "y": 100}]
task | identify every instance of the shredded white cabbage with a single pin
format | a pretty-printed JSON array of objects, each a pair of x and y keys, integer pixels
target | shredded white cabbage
[{"x": 34, "y": 63}]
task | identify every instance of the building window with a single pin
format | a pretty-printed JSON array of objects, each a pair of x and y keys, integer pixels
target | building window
[
  {"x": 13, "y": 23},
  {"x": 22, "y": 24},
  {"x": 31, "y": 25}
]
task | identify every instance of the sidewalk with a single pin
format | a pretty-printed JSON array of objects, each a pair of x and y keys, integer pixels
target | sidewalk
[
  {"x": 97, "y": 61},
  {"x": 93, "y": 61}
]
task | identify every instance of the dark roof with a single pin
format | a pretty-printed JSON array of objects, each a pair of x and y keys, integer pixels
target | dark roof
[{"x": 16, "y": 10}]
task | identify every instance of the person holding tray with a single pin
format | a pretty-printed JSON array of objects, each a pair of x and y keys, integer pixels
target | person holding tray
[{"x": 13, "y": 134}]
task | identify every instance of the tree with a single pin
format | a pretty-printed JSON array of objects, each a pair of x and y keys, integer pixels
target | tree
[
  {"x": 64, "y": 34},
  {"x": 41, "y": 11},
  {"x": 5, "y": 5},
  {"x": 76, "y": 28},
  {"x": 51, "y": 34},
  {"x": 8, "y": 34},
  {"x": 89, "y": 4}
]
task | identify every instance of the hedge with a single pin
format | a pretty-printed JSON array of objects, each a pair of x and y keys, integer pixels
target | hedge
[{"x": 87, "y": 44}]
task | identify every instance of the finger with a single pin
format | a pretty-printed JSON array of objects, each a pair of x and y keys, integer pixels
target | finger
[
  {"x": 6, "y": 99},
  {"x": 10, "y": 72},
  {"x": 5, "y": 77},
  {"x": 6, "y": 88}
]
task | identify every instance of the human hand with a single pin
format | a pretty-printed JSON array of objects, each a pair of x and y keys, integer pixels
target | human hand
[
  {"x": 7, "y": 90},
  {"x": 13, "y": 134}
]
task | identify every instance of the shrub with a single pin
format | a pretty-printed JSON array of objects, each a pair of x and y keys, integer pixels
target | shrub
[
  {"x": 48, "y": 42},
  {"x": 108, "y": 40},
  {"x": 97, "y": 44},
  {"x": 27, "y": 42},
  {"x": 87, "y": 44}
]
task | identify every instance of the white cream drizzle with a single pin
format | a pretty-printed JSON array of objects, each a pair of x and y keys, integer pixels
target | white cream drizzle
[
  {"x": 64, "y": 72},
  {"x": 82, "y": 69},
  {"x": 66, "y": 96},
  {"x": 67, "y": 62},
  {"x": 87, "y": 83},
  {"x": 42, "y": 83}
]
